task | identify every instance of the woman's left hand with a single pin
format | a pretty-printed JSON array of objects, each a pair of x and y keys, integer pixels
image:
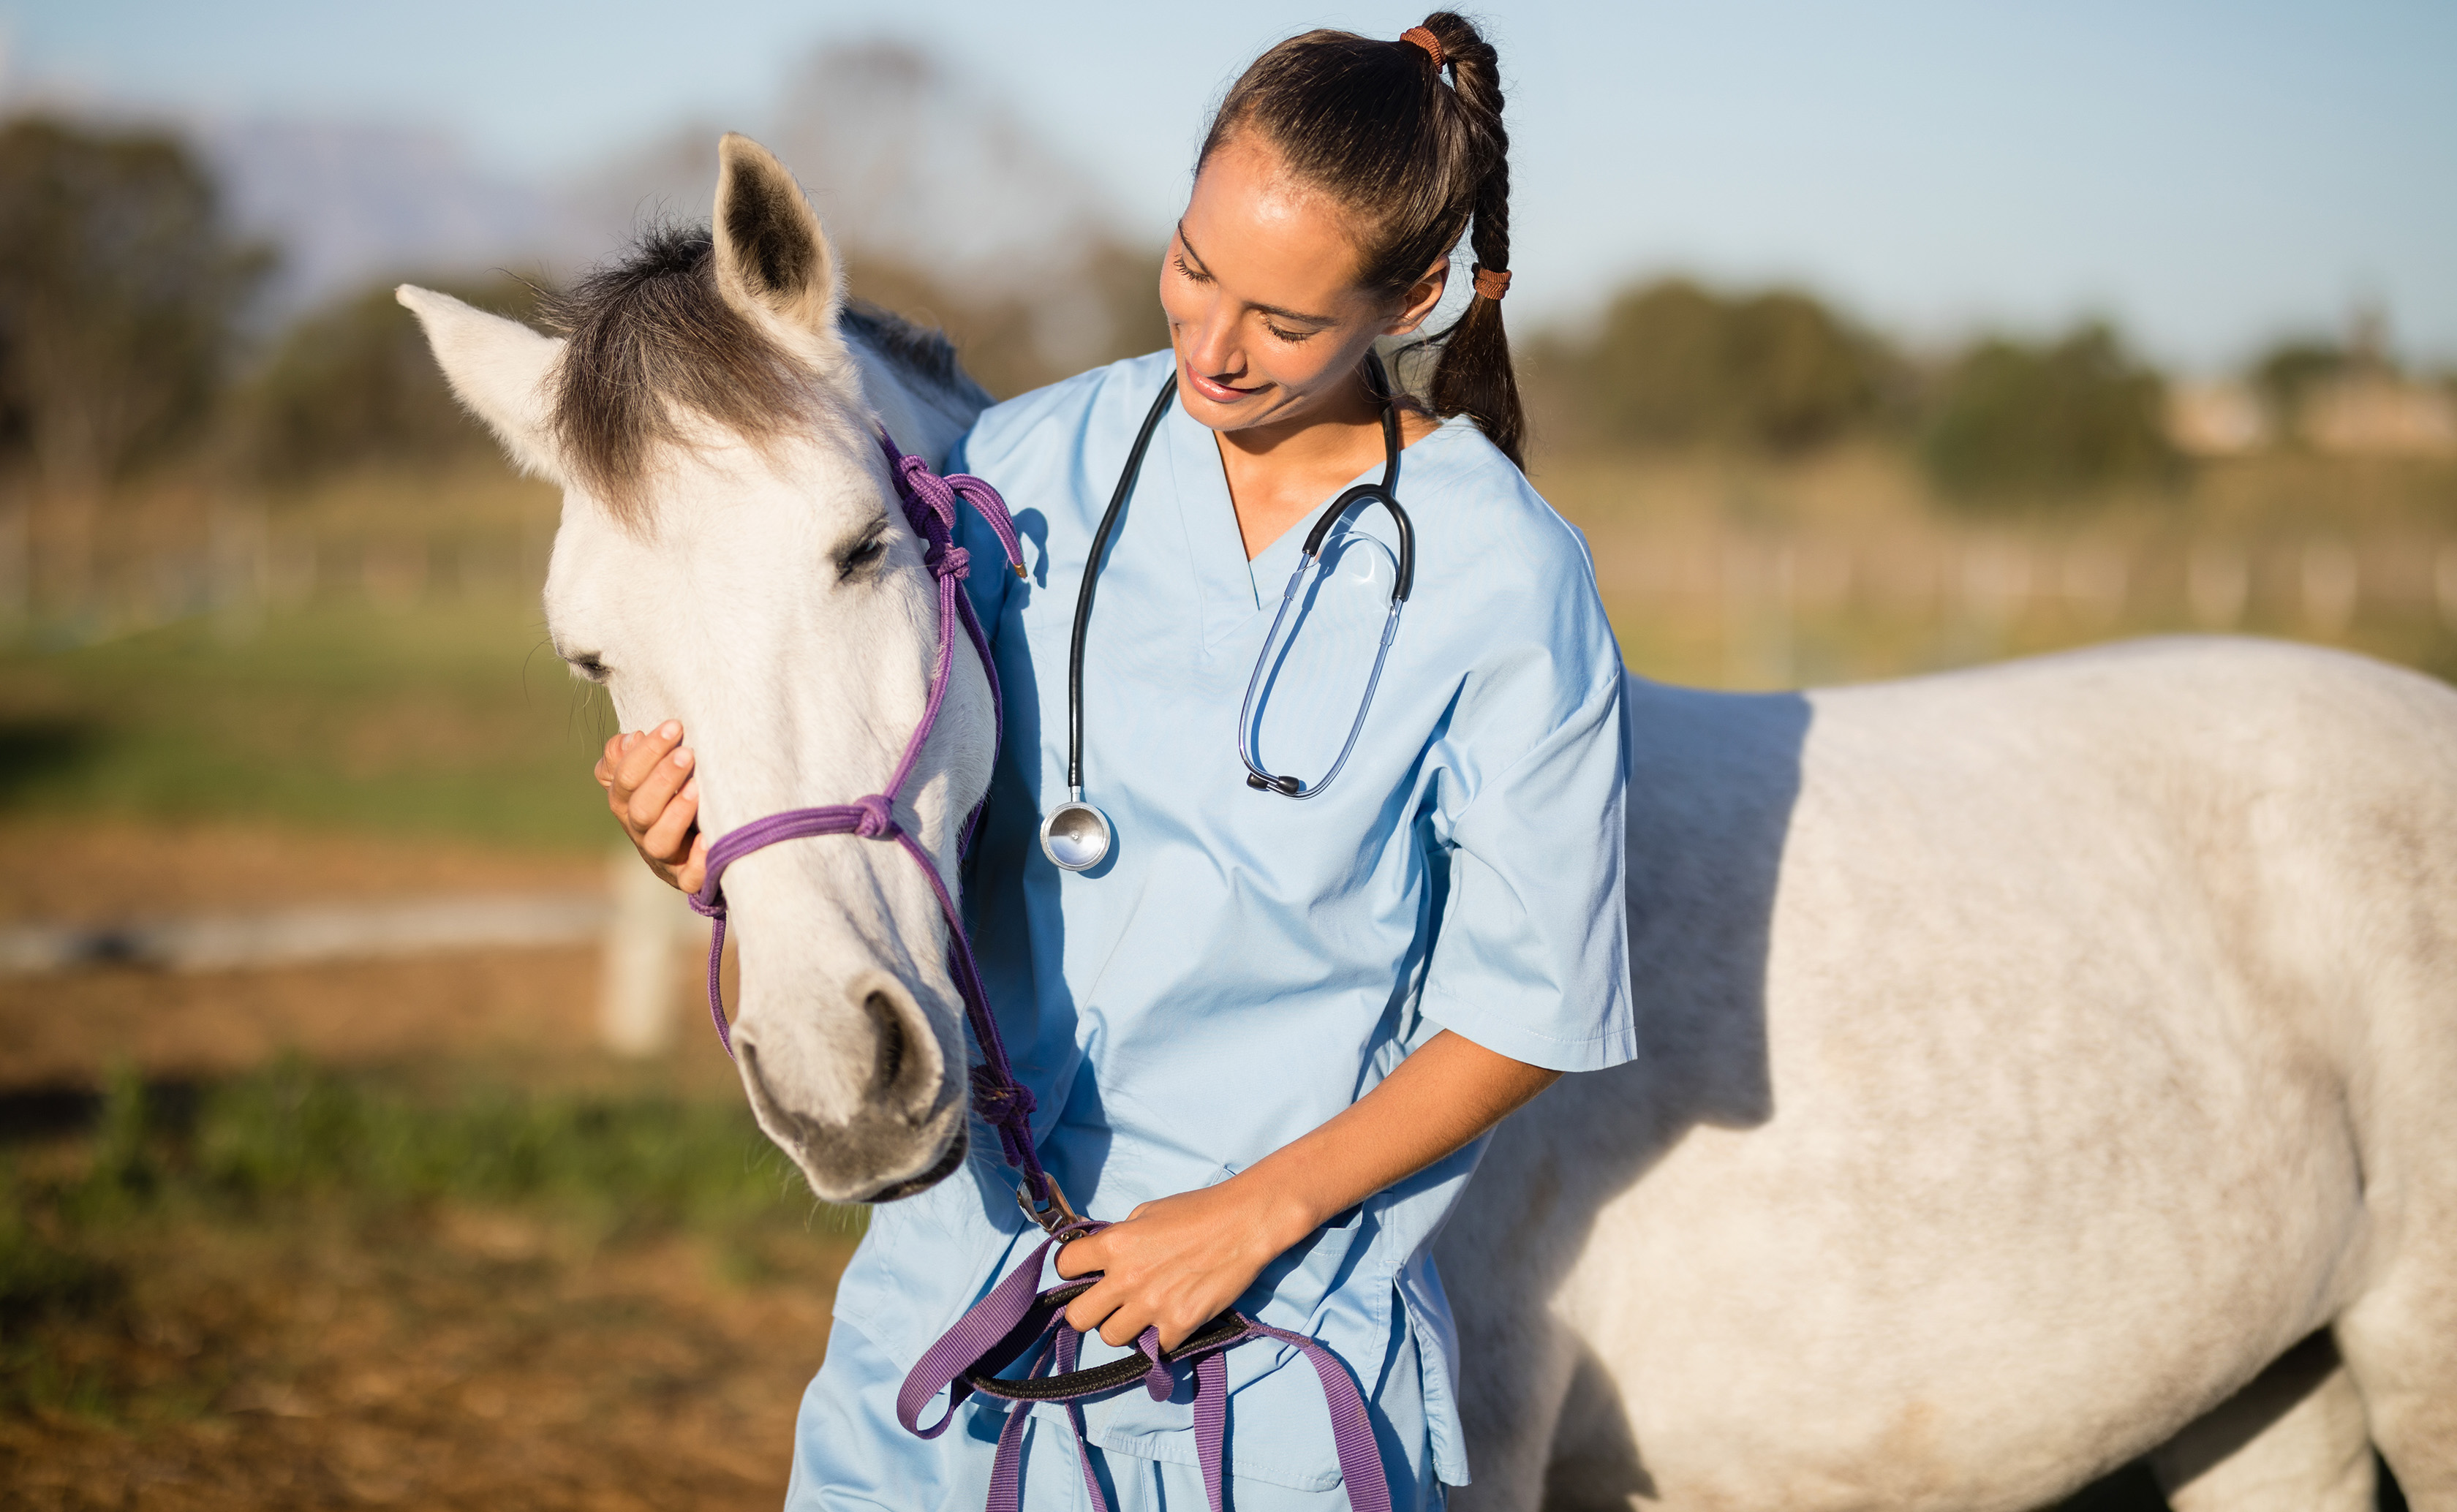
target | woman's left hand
[{"x": 1174, "y": 1264}]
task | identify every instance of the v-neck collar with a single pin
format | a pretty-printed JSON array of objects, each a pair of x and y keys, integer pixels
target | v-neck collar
[
  {"x": 1216, "y": 554},
  {"x": 1232, "y": 589}
]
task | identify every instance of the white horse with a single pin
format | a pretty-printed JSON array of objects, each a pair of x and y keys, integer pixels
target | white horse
[{"x": 2045, "y": 1066}]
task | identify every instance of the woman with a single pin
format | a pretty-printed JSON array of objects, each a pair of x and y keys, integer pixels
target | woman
[{"x": 1266, "y": 1035}]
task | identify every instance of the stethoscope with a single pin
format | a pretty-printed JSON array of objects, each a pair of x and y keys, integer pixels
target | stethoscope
[{"x": 1076, "y": 835}]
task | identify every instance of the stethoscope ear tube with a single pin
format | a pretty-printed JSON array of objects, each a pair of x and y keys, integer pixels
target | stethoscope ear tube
[
  {"x": 1362, "y": 493},
  {"x": 1385, "y": 493}
]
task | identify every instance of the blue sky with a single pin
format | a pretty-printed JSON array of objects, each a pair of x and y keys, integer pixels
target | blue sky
[{"x": 2213, "y": 175}]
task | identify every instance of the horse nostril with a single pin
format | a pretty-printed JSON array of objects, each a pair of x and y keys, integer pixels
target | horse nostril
[{"x": 889, "y": 1026}]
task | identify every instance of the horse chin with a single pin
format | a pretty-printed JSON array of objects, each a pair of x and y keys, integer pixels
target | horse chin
[
  {"x": 881, "y": 1153},
  {"x": 914, "y": 1186}
]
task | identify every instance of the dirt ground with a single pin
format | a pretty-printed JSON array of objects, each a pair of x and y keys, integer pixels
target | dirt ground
[
  {"x": 462, "y": 1359},
  {"x": 101, "y": 870},
  {"x": 466, "y": 1359}
]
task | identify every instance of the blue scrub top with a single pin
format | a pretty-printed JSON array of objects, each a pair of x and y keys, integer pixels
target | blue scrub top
[{"x": 1243, "y": 966}]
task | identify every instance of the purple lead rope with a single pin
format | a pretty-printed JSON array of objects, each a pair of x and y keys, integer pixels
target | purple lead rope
[
  {"x": 1015, "y": 1319},
  {"x": 1015, "y": 1322}
]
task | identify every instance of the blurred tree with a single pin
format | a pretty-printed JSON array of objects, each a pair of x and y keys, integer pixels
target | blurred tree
[
  {"x": 119, "y": 287},
  {"x": 119, "y": 291},
  {"x": 1676, "y": 364},
  {"x": 2010, "y": 423},
  {"x": 2287, "y": 374},
  {"x": 1107, "y": 309},
  {"x": 353, "y": 384}
]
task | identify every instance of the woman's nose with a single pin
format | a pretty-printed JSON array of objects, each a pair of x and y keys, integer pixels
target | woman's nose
[{"x": 1212, "y": 347}]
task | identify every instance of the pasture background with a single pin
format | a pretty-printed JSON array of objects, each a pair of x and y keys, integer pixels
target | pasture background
[{"x": 403, "y": 1233}]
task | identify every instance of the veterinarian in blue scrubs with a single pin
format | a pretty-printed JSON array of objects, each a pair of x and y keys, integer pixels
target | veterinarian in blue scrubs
[
  {"x": 1243, "y": 966},
  {"x": 1268, "y": 1034}
]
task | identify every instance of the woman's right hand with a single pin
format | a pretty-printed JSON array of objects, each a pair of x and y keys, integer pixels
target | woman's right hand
[{"x": 649, "y": 783}]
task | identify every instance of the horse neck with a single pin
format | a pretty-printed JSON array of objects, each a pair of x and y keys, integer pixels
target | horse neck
[{"x": 925, "y": 420}]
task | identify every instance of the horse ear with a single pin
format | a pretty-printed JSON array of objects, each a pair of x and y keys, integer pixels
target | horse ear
[
  {"x": 773, "y": 262},
  {"x": 499, "y": 369}
]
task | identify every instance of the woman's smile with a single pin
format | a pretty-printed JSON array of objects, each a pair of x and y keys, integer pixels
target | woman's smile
[{"x": 1219, "y": 392}]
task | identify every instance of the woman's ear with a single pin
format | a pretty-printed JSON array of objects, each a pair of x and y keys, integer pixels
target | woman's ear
[{"x": 1421, "y": 298}]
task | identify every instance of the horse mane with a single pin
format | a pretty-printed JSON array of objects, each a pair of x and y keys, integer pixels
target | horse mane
[
  {"x": 922, "y": 353},
  {"x": 648, "y": 338}
]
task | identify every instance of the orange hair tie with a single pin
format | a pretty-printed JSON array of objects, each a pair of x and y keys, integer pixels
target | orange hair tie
[
  {"x": 1491, "y": 284},
  {"x": 1432, "y": 44}
]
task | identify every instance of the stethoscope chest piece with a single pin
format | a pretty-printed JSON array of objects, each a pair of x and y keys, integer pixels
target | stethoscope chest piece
[{"x": 1075, "y": 835}]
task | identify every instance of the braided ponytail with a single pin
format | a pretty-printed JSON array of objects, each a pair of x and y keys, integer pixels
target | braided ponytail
[
  {"x": 1417, "y": 161},
  {"x": 1474, "y": 376}
]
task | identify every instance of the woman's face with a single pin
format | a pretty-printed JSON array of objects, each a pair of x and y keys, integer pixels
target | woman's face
[{"x": 1269, "y": 327}]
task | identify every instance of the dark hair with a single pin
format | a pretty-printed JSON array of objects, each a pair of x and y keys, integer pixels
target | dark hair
[{"x": 1371, "y": 124}]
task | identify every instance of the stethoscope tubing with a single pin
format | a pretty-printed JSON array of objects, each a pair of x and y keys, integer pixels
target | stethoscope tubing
[
  {"x": 1092, "y": 580},
  {"x": 1384, "y": 493}
]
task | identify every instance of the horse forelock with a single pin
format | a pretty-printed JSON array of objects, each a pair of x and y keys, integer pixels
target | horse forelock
[{"x": 651, "y": 346}]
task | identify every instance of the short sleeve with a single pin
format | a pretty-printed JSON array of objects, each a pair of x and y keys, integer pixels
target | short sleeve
[{"x": 1531, "y": 958}]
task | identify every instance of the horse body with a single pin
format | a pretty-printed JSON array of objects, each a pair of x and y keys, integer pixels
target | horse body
[
  {"x": 2033, "y": 1056},
  {"x": 2041, "y": 1064}
]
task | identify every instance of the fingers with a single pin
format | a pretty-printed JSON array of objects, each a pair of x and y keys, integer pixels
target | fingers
[
  {"x": 1082, "y": 1257},
  {"x": 653, "y": 790},
  {"x": 1089, "y": 1311},
  {"x": 1098, "y": 1307},
  {"x": 668, "y": 835},
  {"x": 632, "y": 757},
  {"x": 1119, "y": 1317},
  {"x": 693, "y": 875},
  {"x": 643, "y": 775}
]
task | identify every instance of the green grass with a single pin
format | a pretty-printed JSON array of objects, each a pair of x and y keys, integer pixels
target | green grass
[
  {"x": 622, "y": 1159},
  {"x": 443, "y": 718}
]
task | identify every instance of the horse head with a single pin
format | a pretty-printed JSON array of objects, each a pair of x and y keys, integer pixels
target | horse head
[{"x": 733, "y": 554}]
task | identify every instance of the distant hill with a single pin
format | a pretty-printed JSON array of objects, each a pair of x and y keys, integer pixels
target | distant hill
[
  {"x": 904, "y": 159},
  {"x": 348, "y": 202}
]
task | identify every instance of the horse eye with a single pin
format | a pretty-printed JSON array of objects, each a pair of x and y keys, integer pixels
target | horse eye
[
  {"x": 873, "y": 547},
  {"x": 590, "y": 668}
]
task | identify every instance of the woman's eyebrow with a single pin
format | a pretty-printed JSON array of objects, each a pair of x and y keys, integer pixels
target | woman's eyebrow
[{"x": 1283, "y": 312}]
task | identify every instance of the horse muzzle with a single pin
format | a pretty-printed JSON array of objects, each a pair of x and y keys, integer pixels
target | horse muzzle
[{"x": 903, "y": 1129}]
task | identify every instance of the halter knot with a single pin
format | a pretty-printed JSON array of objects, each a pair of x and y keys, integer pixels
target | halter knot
[
  {"x": 951, "y": 561},
  {"x": 1007, "y": 1104},
  {"x": 878, "y": 816},
  {"x": 925, "y": 493}
]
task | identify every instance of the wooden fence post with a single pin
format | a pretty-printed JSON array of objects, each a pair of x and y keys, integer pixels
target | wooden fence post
[{"x": 637, "y": 1011}]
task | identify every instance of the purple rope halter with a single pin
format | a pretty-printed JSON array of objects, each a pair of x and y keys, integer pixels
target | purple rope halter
[
  {"x": 1013, "y": 1320},
  {"x": 1002, "y": 1101}
]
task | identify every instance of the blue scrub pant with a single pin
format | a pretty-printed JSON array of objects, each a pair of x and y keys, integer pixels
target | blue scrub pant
[{"x": 850, "y": 1452}]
